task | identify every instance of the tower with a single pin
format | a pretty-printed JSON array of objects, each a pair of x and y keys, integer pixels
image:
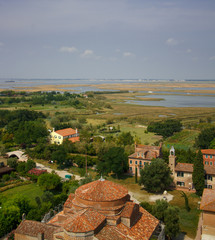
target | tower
[{"x": 172, "y": 160}]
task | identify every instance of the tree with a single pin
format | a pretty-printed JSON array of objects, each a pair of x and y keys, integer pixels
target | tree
[
  {"x": 198, "y": 173},
  {"x": 125, "y": 138},
  {"x": 156, "y": 177},
  {"x": 184, "y": 195},
  {"x": 205, "y": 138},
  {"x": 12, "y": 162},
  {"x": 113, "y": 161},
  {"x": 165, "y": 128},
  {"x": 29, "y": 165},
  {"x": 171, "y": 220},
  {"x": 158, "y": 210},
  {"x": 49, "y": 181}
]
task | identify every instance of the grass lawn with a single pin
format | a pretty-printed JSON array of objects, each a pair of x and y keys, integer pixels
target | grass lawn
[
  {"x": 139, "y": 131},
  {"x": 181, "y": 140},
  {"x": 30, "y": 191}
]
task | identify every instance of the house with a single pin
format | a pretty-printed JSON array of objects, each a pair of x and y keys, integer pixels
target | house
[
  {"x": 57, "y": 137},
  {"x": 208, "y": 156},
  {"x": 98, "y": 210},
  {"x": 182, "y": 173},
  {"x": 208, "y": 214},
  {"x": 143, "y": 155}
]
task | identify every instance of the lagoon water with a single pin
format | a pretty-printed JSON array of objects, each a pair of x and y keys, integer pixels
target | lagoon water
[{"x": 177, "y": 101}]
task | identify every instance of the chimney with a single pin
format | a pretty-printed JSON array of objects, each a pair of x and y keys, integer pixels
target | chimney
[
  {"x": 76, "y": 131},
  {"x": 53, "y": 129}
]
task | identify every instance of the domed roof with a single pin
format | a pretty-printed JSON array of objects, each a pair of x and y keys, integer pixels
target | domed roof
[{"x": 101, "y": 191}]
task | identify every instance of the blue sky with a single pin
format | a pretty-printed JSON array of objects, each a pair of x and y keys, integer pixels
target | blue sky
[{"x": 107, "y": 39}]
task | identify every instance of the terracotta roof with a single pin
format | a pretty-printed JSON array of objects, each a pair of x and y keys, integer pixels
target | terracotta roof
[
  {"x": 147, "y": 155},
  {"x": 208, "y": 200},
  {"x": 208, "y": 151},
  {"x": 32, "y": 228},
  {"x": 68, "y": 202},
  {"x": 101, "y": 191},
  {"x": 85, "y": 222},
  {"x": 66, "y": 132},
  {"x": 188, "y": 167},
  {"x": 142, "y": 229},
  {"x": 209, "y": 169},
  {"x": 111, "y": 233},
  {"x": 128, "y": 209},
  {"x": 74, "y": 139},
  {"x": 185, "y": 167}
]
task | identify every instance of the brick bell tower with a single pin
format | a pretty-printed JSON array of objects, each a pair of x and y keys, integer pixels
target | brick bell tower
[{"x": 172, "y": 160}]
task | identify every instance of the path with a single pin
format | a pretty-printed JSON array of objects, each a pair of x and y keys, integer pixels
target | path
[{"x": 60, "y": 173}]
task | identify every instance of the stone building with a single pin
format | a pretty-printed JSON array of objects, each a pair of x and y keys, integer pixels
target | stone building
[
  {"x": 182, "y": 172},
  {"x": 208, "y": 214},
  {"x": 143, "y": 155},
  {"x": 100, "y": 210}
]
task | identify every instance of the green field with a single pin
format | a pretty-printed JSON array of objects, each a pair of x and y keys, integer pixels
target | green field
[{"x": 30, "y": 191}]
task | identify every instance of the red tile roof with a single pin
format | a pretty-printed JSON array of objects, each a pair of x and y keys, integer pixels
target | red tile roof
[
  {"x": 185, "y": 167},
  {"x": 74, "y": 139},
  {"x": 66, "y": 132},
  {"x": 88, "y": 221},
  {"x": 188, "y": 167},
  {"x": 68, "y": 202},
  {"x": 32, "y": 228},
  {"x": 143, "y": 228},
  {"x": 208, "y": 151},
  {"x": 128, "y": 209},
  {"x": 208, "y": 200},
  {"x": 101, "y": 191}
]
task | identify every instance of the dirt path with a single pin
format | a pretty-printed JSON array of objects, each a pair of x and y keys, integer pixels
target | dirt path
[{"x": 60, "y": 173}]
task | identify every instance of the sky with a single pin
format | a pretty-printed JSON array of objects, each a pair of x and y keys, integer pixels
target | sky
[{"x": 107, "y": 39}]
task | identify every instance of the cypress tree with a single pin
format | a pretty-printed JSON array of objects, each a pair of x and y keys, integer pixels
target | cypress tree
[
  {"x": 135, "y": 175},
  {"x": 199, "y": 173}
]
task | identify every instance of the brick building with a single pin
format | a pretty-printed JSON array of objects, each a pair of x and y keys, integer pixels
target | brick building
[
  {"x": 182, "y": 172},
  {"x": 98, "y": 210},
  {"x": 143, "y": 155}
]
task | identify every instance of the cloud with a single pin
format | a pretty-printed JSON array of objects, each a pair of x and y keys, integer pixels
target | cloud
[
  {"x": 1, "y": 44},
  {"x": 87, "y": 53},
  {"x": 189, "y": 50},
  {"x": 68, "y": 49},
  {"x": 128, "y": 54},
  {"x": 212, "y": 58},
  {"x": 171, "y": 42}
]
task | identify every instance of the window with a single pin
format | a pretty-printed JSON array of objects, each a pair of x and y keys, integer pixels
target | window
[
  {"x": 208, "y": 186},
  {"x": 59, "y": 137},
  {"x": 138, "y": 154},
  {"x": 211, "y": 156},
  {"x": 208, "y": 177},
  {"x": 140, "y": 162},
  {"x": 206, "y": 162},
  {"x": 211, "y": 163},
  {"x": 180, "y": 174},
  {"x": 142, "y": 155},
  {"x": 206, "y": 156},
  {"x": 135, "y": 162},
  {"x": 130, "y": 161},
  {"x": 130, "y": 169},
  {"x": 55, "y": 136},
  {"x": 181, "y": 184}
]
